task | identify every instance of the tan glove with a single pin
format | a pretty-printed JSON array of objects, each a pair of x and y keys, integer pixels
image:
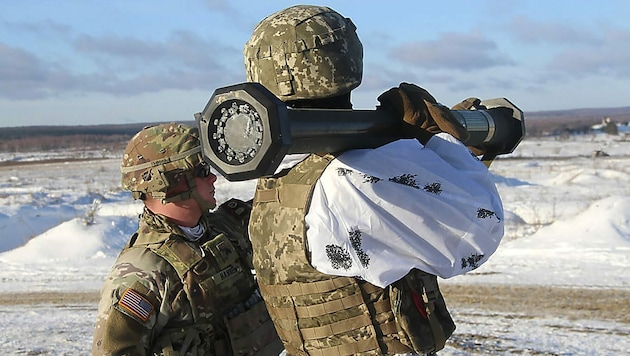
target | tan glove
[
  {"x": 421, "y": 114},
  {"x": 468, "y": 104}
]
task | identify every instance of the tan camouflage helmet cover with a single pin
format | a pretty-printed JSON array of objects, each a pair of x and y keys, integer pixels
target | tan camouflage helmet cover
[
  {"x": 305, "y": 52},
  {"x": 156, "y": 156}
]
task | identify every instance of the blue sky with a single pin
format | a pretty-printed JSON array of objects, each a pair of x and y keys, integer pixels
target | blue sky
[{"x": 87, "y": 62}]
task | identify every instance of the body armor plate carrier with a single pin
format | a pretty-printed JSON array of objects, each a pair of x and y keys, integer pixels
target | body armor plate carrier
[{"x": 319, "y": 314}]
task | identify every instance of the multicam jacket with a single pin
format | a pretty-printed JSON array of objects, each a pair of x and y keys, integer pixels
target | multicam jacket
[{"x": 167, "y": 295}]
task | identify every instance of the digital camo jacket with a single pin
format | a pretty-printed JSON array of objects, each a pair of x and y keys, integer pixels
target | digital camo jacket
[
  {"x": 382, "y": 216},
  {"x": 314, "y": 313}
]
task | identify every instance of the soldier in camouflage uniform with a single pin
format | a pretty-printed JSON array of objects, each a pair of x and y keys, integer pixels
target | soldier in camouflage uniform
[
  {"x": 311, "y": 57},
  {"x": 183, "y": 284}
]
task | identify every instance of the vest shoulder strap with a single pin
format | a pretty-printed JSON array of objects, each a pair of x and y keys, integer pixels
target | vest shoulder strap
[
  {"x": 178, "y": 254},
  {"x": 296, "y": 187}
]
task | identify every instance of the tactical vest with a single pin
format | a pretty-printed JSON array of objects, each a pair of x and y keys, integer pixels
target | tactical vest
[
  {"x": 314, "y": 313},
  {"x": 228, "y": 311}
]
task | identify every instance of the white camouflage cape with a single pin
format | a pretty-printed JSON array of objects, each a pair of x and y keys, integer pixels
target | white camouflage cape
[{"x": 377, "y": 213}]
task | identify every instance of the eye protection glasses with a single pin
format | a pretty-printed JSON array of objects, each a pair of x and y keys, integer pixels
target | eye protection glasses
[{"x": 202, "y": 170}]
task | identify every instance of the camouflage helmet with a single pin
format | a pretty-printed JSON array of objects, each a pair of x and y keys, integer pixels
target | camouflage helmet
[
  {"x": 156, "y": 157},
  {"x": 305, "y": 52}
]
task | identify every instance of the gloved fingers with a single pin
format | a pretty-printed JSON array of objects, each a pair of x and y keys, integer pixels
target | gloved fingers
[
  {"x": 446, "y": 122},
  {"x": 415, "y": 119},
  {"x": 467, "y": 104},
  {"x": 421, "y": 113},
  {"x": 477, "y": 151},
  {"x": 393, "y": 101},
  {"x": 438, "y": 118},
  {"x": 407, "y": 98},
  {"x": 398, "y": 100},
  {"x": 415, "y": 92}
]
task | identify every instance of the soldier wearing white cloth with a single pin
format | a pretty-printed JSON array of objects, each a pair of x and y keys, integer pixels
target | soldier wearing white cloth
[{"x": 347, "y": 245}]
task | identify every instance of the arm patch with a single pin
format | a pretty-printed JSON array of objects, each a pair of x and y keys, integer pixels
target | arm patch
[
  {"x": 136, "y": 304},
  {"x": 127, "y": 326}
]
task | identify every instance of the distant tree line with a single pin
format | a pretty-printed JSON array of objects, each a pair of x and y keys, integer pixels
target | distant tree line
[
  {"x": 57, "y": 142},
  {"x": 44, "y": 138},
  {"x": 541, "y": 128},
  {"x": 99, "y": 130},
  {"x": 571, "y": 122}
]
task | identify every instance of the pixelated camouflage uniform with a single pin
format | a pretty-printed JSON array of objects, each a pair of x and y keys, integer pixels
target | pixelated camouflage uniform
[
  {"x": 319, "y": 314},
  {"x": 196, "y": 298},
  {"x": 301, "y": 54}
]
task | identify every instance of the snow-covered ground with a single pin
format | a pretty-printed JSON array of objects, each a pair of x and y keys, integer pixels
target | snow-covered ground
[{"x": 567, "y": 225}]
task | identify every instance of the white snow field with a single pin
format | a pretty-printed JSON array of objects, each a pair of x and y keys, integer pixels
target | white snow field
[{"x": 567, "y": 226}]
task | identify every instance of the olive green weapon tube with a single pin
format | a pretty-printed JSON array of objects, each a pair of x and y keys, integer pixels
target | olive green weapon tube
[{"x": 246, "y": 131}]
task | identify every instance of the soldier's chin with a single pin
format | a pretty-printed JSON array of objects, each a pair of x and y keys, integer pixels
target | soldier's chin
[{"x": 205, "y": 205}]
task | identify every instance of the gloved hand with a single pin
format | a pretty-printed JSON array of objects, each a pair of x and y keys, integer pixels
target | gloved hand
[
  {"x": 469, "y": 104},
  {"x": 421, "y": 114}
]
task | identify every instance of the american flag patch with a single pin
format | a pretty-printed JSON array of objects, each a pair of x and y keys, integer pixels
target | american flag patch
[{"x": 136, "y": 304}]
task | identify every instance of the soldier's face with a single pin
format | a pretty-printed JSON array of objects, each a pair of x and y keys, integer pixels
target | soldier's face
[
  {"x": 203, "y": 199},
  {"x": 205, "y": 188}
]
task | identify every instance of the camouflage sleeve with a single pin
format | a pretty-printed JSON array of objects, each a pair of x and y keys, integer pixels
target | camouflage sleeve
[
  {"x": 232, "y": 219},
  {"x": 134, "y": 304}
]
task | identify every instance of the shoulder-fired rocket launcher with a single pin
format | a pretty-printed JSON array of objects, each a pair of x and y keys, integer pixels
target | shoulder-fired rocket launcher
[{"x": 246, "y": 131}]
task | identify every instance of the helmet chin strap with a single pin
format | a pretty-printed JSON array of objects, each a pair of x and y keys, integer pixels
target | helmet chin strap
[
  {"x": 205, "y": 205},
  {"x": 191, "y": 193}
]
